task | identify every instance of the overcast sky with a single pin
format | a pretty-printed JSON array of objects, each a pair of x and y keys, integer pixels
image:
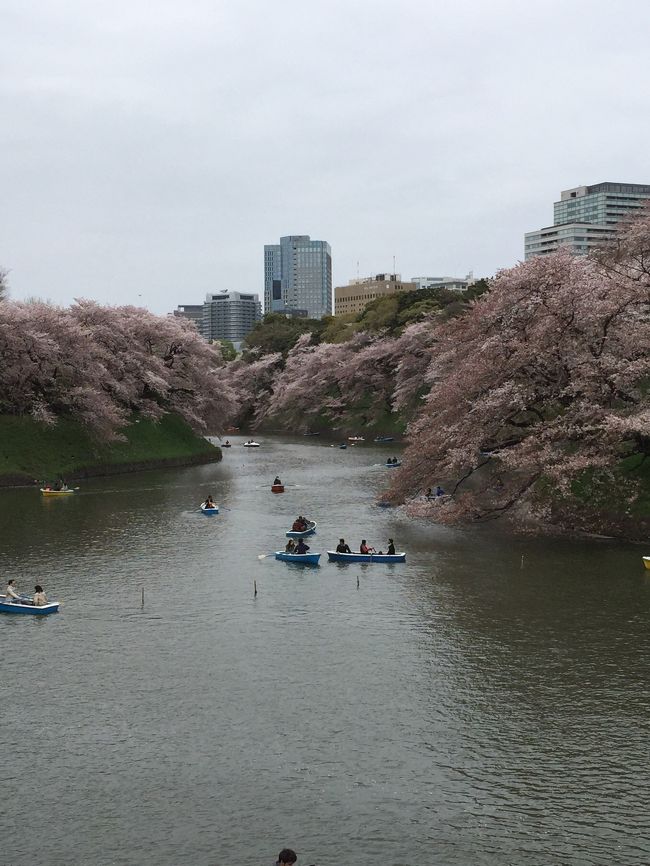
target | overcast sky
[{"x": 149, "y": 150}]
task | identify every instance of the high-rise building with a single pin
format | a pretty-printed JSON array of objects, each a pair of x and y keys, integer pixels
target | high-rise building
[
  {"x": 224, "y": 315},
  {"x": 298, "y": 277},
  {"x": 586, "y": 216},
  {"x": 230, "y": 315},
  {"x": 354, "y": 297}
]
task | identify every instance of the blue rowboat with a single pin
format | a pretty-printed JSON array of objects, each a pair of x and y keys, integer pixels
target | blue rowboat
[
  {"x": 343, "y": 445},
  {"x": 304, "y": 558},
  {"x": 333, "y": 556},
  {"x": 18, "y": 607},
  {"x": 393, "y": 465},
  {"x": 311, "y": 528},
  {"x": 383, "y": 439},
  {"x": 214, "y": 510}
]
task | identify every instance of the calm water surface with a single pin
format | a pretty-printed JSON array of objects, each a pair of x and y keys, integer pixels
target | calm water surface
[{"x": 469, "y": 708}]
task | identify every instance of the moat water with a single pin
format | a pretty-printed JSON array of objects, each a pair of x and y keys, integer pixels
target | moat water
[{"x": 486, "y": 703}]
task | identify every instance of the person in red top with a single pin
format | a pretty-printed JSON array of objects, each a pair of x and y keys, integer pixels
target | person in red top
[{"x": 364, "y": 547}]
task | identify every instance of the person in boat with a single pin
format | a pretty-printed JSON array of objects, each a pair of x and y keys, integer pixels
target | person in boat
[
  {"x": 61, "y": 485},
  {"x": 39, "y": 596},
  {"x": 277, "y": 480},
  {"x": 11, "y": 593},
  {"x": 429, "y": 493},
  {"x": 209, "y": 503},
  {"x": 286, "y": 857},
  {"x": 363, "y": 547},
  {"x": 291, "y": 546},
  {"x": 439, "y": 491},
  {"x": 301, "y": 547},
  {"x": 342, "y": 547},
  {"x": 391, "y": 547},
  {"x": 298, "y": 525}
]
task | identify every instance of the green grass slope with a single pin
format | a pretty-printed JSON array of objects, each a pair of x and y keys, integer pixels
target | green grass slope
[{"x": 30, "y": 450}]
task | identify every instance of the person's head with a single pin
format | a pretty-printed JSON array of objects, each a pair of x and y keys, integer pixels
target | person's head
[
  {"x": 363, "y": 541},
  {"x": 11, "y": 582},
  {"x": 38, "y": 588},
  {"x": 390, "y": 541},
  {"x": 341, "y": 540},
  {"x": 287, "y": 856}
]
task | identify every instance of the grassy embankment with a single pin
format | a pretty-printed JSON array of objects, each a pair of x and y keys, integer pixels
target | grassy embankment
[
  {"x": 30, "y": 450},
  {"x": 618, "y": 506}
]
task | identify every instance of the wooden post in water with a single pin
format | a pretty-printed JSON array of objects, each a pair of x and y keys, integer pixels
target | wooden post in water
[
  {"x": 143, "y": 596},
  {"x": 255, "y": 587},
  {"x": 357, "y": 581},
  {"x": 522, "y": 560}
]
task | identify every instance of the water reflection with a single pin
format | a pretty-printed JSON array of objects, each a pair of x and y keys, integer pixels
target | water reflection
[{"x": 458, "y": 709}]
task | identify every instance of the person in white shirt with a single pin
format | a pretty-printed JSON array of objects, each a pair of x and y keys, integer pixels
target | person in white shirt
[
  {"x": 11, "y": 593},
  {"x": 39, "y": 596}
]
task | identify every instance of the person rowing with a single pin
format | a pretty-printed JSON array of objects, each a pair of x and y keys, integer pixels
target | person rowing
[
  {"x": 209, "y": 502},
  {"x": 391, "y": 547},
  {"x": 12, "y": 596},
  {"x": 363, "y": 547},
  {"x": 342, "y": 547},
  {"x": 277, "y": 481},
  {"x": 299, "y": 524},
  {"x": 301, "y": 547}
]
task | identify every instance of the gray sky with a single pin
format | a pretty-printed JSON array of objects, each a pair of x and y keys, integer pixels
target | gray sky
[{"x": 150, "y": 149}]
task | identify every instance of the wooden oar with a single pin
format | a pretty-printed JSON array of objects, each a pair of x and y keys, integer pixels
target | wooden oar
[{"x": 264, "y": 555}]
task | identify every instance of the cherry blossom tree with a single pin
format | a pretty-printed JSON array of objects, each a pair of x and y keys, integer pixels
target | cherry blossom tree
[
  {"x": 101, "y": 364},
  {"x": 544, "y": 379}
]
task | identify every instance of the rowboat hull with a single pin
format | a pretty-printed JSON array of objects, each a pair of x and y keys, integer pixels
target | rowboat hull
[
  {"x": 393, "y": 465},
  {"x": 646, "y": 562},
  {"x": 383, "y": 439},
  {"x": 311, "y": 528},
  {"x": 47, "y": 492},
  {"x": 304, "y": 558},
  {"x": 41, "y": 610},
  {"x": 333, "y": 556},
  {"x": 251, "y": 444},
  {"x": 277, "y": 488},
  {"x": 210, "y": 511}
]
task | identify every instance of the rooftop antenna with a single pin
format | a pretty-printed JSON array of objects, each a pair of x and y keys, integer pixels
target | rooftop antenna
[
  {"x": 394, "y": 271},
  {"x": 357, "y": 269}
]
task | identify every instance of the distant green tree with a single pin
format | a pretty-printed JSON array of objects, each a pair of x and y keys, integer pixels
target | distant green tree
[
  {"x": 228, "y": 351},
  {"x": 278, "y": 333},
  {"x": 478, "y": 288}
]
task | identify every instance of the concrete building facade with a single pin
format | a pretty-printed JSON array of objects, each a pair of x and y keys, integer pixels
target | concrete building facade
[
  {"x": 224, "y": 315},
  {"x": 354, "y": 297},
  {"x": 298, "y": 276},
  {"x": 585, "y": 216},
  {"x": 230, "y": 315},
  {"x": 452, "y": 284}
]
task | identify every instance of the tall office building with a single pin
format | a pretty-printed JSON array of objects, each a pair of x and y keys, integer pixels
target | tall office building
[
  {"x": 298, "y": 277},
  {"x": 586, "y": 216},
  {"x": 230, "y": 315},
  {"x": 224, "y": 315}
]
